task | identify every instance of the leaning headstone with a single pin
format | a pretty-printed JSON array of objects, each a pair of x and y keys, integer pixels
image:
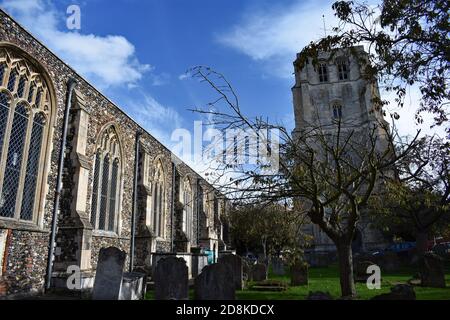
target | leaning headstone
[
  {"x": 259, "y": 272},
  {"x": 108, "y": 276},
  {"x": 278, "y": 267},
  {"x": 432, "y": 271},
  {"x": 215, "y": 283},
  {"x": 133, "y": 286},
  {"x": 299, "y": 274},
  {"x": 171, "y": 279},
  {"x": 235, "y": 263},
  {"x": 398, "y": 292}
]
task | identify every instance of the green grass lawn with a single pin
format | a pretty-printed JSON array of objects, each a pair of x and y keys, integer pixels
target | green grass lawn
[{"x": 327, "y": 279}]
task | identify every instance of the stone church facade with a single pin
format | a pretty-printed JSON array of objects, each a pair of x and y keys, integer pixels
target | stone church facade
[
  {"x": 336, "y": 89},
  {"x": 113, "y": 170}
]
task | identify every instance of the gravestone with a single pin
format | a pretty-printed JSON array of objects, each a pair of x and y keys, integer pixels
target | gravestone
[
  {"x": 235, "y": 263},
  {"x": 246, "y": 270},
  {"x": 171, "y": 279},
  {"x": 432, "y": 271},
  {"x": 215, "y": 283},
  {"x": 132, "y": 286},
  {"x": 109, "y": 273},
  {"x": 278, "y": 267},
  {"x": 398, "y": 292},
  {"x": 390, "y": 262},
  {"x": 299, "y": 274},
  {"x": 259, "y": 272},
  {"x": 361, "y": 274}
]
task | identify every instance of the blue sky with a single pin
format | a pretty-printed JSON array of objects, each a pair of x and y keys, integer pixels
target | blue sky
[
  {"x": 253, "y": 43},
  {"x": 136, "y": 52}
]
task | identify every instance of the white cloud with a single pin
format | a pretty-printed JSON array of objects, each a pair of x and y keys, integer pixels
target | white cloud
[
  {"x": 105, "y": 60},
  {"x": 156, "y": 118},
  {"x": 276, "y": 35},
  {"x": 183, "y": 76}
]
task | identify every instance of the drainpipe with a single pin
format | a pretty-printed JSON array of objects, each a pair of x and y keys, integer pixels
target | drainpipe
[
  {"x": 198, "y": 212},
  {"x": 172, "y": 208},
  {"x": 135, "y": 194},
  {"x": 70, "y": 87}
]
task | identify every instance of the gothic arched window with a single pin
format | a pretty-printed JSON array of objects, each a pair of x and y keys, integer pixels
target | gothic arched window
[
  {"x": 337, "y": 111},
  {"x": 188, "y": 202},
  {"x": 158, "y": 203},
  {"x": 23, "y": 133},
  {"x": 106, "y": 182}
]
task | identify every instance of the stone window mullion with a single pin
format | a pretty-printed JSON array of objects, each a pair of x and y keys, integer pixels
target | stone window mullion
[
  {"x": 23, "y": 165},
  {"x": 6, "y": 138},
  {"x": 99, "y": 191},
  {"x": 108, "y": 194},
  {"x": 160, "y": 211}
]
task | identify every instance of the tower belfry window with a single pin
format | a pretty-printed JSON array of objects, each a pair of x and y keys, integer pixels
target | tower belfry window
[
  {"x": 337, "y": 111},
  {"x": 343, "y": 69},
  {"x": 323, "y": 72}
]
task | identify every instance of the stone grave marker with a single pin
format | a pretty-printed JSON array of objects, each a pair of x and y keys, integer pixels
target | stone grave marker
[
  {"x": 432, "y": 271},
  {"x": 215, "y": 283},
  {"x": 299, "y": 274},
  {"x": 236, "y": 265},
  {"x": 259, "y": 272},
  {"x": 109, "y": 273},
  {"x": 171, "y": 279},
  {"x": 278, "y": 267}
]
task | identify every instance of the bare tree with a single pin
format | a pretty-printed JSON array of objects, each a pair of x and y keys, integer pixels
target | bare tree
[{"x": 329, "y": 172}]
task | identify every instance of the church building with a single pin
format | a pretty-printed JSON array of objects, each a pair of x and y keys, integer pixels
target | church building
[{"x": 77, "y": 174}]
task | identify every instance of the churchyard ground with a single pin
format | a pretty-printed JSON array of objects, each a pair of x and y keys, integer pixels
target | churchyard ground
[{"x": 327, "y": 280}]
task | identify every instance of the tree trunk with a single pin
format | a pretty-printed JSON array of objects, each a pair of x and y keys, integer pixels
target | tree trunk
[
  {"x": 422, "y": 242},
  {"x": 348, "y": 288},
  {"x": 264, "y": 247}
]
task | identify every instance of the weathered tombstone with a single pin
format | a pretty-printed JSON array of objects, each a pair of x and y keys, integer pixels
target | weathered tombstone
[
  {"x": 398, "y": 292},
  {"x": 259, "y": 272},
  {"x": 109, "y": 273},
  {"x": 215, "y": 283},
  {"x": 235, "y": 263},
  {"x": 246, "y": 270},
  {"x": 390, "y": 262},
  {"x": 171, "y": 279},
  {"x": 133, "y": 286},
  {"x": 278, "y": 267},
  {"x": 432, "y": 271},
  {"x": 299, "y": 274},
  {"x": 361, "y": 274}
]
